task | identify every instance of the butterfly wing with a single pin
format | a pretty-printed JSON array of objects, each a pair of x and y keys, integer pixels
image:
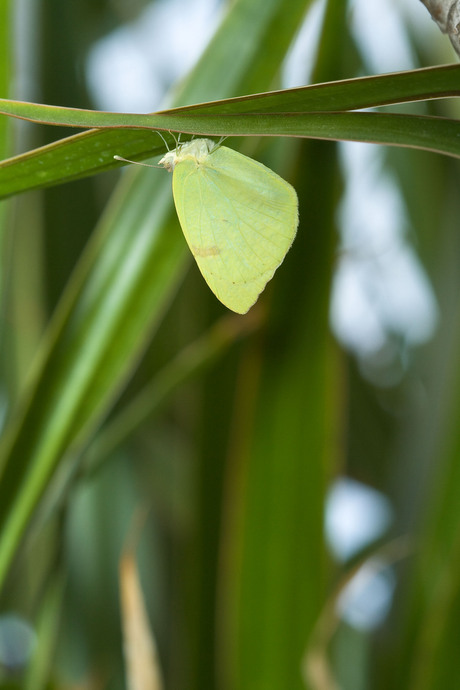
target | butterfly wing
[{"x": 239, "y": 219}]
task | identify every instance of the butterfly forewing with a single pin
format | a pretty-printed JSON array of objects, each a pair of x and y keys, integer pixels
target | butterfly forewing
[{"x": 239, "y": 219}]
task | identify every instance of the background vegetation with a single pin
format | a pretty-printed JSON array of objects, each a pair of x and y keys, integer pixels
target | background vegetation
[{"x": 128, "y": 390}]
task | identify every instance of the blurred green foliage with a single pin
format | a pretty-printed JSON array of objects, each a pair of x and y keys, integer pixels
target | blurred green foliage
[{"x": 125, "y": 385}]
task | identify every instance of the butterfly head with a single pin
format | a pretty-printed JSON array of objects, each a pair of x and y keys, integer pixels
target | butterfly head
[{"x": 196, "y": 149}]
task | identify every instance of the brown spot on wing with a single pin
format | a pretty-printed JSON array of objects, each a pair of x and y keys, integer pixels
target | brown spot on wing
[{"x": 205, "y": 251}]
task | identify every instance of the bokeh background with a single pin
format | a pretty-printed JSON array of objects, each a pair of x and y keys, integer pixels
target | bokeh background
[{"x": 298, "y": 468}]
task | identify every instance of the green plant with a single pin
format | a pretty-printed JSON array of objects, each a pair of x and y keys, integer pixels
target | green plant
[{"x": 143, "y": 392}]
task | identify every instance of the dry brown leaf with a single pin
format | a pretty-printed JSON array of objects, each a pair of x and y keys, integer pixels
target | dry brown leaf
[
  {"x": 141, "y": 659},
  {"x": 446, "y": 14}
]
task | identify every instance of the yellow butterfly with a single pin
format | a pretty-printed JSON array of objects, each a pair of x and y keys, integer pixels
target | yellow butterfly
[{"x": 239, "y": 218}]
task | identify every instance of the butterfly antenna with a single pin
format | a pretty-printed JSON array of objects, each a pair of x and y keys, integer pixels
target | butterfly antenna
[{"x": 145, "y": 165}]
